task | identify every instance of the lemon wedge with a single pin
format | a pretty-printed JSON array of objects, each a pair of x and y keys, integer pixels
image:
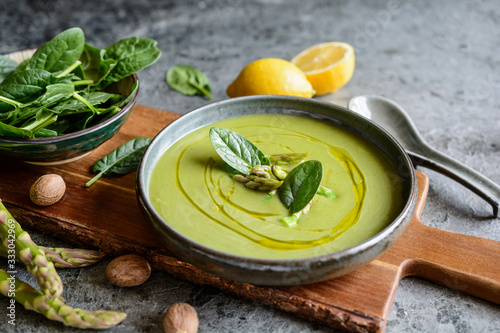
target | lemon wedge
[
  {"x": 270, "y": 76},
  {"x": 328, "y": 66}
]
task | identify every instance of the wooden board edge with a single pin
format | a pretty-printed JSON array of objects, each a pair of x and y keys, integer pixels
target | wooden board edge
[
  {"x": 281, "y": 299},
  {"x": 161, "y": 259}
]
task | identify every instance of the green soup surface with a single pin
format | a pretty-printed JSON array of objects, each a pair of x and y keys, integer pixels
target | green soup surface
[{"x": 191, "y": 190}]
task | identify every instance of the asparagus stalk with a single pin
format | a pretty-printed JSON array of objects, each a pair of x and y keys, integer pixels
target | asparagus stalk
[
  {"x": 25, "y": 250},
  {"x": 325, "y": 191},
  {"x": 288, "y": 158},
  {"x": 263, "y": 171},
  {"x": 293, "y": 219},
  {"x": 66, "y": 258},
  {"x": 55, "y": 308},
  {"x": 269, "y": 196},
  {"x": 279, "y": 172},
  {"x": 258, "y": 183},
  {"x": 72, "y": 258}
]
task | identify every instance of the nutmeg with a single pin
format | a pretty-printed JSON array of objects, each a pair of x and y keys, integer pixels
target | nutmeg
[
  {"x": 180, "y": 318},
  {"x": 129, "y": 270},
  {"x": 47, "y": 190}
]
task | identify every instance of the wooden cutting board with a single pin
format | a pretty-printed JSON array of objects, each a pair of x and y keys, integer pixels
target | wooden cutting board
[{"x": 106, "y": 216}]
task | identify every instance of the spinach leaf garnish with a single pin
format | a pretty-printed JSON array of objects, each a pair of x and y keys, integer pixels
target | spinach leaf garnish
[
  {"x": 188, "y": 81},
  {"x": 123, "y": 160},
  {"x": 300, "y": 185},
  {"x": 235, "y": 150}
]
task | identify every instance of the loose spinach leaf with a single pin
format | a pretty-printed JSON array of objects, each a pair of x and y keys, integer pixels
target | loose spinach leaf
[
  {"x": 123, "y": 160},
  {"x": 300, "y": 185},
  {"x": 59, "y": 53},
  {"x": 188, "y": 81},
  {"x": 235, "y": 150},
  {"x": 7, "y": 66},
  {"x": 131, "y": 55}
]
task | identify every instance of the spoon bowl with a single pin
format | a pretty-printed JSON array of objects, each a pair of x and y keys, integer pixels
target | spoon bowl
[{"x": 396, "y": 121}]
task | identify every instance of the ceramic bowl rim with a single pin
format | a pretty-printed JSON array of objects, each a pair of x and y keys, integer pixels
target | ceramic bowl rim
[{"x": 384, "y": 234}]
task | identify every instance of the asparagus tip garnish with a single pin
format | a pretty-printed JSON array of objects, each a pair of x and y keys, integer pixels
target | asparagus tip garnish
[{"x": 325, "y": 191}]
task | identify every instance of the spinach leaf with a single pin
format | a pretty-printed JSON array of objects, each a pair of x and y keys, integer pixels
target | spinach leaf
[
  {"x": 123, "y": 160},
  {"x": 235, "y": 150},
  {"x": 22, "y": 66},
  {"x": 94, "y": 66},
  {"x": 55, "y": 93},
  {"x": 65, "y": 124},
  {"x": 59, "y": 53},
  {"x": 44, "y": 133},
  {"x": 131, "y": 55},
  {"x": 24, "y": 114},
  {"x": 300, "y": 185},
  {"x": 95, "y": 98},
  {"x": 42, "y": 118},
  {"x": 7, "y": 66},
  {"x": 13, "y": 131},
  {"x": 188, "y": 81},
  {"x": 24, "y": 86},
  {"x": 64, "y": 80}
]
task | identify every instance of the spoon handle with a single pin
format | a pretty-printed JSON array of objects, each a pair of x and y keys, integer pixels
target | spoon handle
[{"x": 473, "y": 180}]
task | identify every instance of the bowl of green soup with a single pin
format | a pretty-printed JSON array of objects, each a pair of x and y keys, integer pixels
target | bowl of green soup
[{"x": 276, "y": 190}]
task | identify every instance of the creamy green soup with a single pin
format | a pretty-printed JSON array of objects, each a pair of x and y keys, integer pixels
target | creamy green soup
[{"x": 191, "y": 190}]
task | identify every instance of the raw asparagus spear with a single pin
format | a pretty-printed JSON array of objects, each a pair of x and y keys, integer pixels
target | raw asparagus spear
[
  {"x": 30, "y": 254},
  {"x": 72, "y": 258},
  {"x": 55, "y": 308},
  {"x": 66, "y": 258}
]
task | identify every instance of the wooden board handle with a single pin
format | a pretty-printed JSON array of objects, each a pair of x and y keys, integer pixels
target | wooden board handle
[{"x": 462, "y": 262}]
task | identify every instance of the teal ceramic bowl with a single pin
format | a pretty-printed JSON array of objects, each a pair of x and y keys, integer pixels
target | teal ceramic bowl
[
  {"x": 277, "y": 271},
  {"x": 72, "y": 146}
]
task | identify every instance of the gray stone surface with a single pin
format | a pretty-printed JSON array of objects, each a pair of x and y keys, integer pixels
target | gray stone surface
[{"x": 438, "y": 59}]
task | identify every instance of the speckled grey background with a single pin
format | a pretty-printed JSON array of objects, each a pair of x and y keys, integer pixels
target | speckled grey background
[{"x": 438, "y": 59}]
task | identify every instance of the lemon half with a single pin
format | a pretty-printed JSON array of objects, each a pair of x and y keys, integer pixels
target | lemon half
[
  {"x": 270, "y": 76},
  {"x": 328, "y": 66}
]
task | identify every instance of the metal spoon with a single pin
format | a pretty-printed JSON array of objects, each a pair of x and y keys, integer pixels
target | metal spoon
[{"x": 394, "y": 119}]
